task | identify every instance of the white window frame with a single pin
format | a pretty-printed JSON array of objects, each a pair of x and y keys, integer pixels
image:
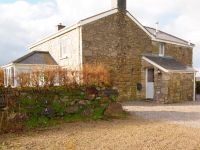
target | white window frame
[
  {"x": 9, "y": 76},
  {"x": 161, "y": 49},
  {"x": 63, "y": 47}
]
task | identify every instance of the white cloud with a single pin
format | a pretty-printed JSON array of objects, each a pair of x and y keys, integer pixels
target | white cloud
[{"x": 22, "y": 23}]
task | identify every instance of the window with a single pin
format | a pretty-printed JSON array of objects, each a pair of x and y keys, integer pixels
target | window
[
  {"x": 9, "y": 76},
  {"x": 150, "y": 75},
  {"x": 12, "y": 76},
  {"x": 161, "y": 49},
  {"x": 63, "y": 47},
  {"x": 5, "y": 77}
]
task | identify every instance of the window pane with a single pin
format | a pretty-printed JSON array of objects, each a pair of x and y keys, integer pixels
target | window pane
[
  {"x": 5, "y": 77},
  {"x": 12, "y": 76},
  {"x": 63, "y": 47},
  {"x": 150, "y": 75},
  {"x": 162, "y": 49}
]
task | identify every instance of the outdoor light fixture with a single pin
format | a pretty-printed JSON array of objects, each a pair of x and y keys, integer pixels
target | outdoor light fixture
[{"x": 159, "y": 72}]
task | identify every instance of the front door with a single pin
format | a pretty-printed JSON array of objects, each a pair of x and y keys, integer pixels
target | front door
[{"x": 149, "y": 83}]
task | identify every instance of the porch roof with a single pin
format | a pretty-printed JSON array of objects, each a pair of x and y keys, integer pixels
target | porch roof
[
  {"x": 168, "y": 64},
  {"x": 36, "y": 57}
]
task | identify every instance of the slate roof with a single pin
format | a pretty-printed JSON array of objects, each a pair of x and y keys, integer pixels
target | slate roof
[
  {"x": 168, "y": 37},
  {"x": 36, "y": 57},
  {"x": 169, "y": 63}
]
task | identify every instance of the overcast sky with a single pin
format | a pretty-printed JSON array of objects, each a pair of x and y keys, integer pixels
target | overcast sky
[{"x": 23, "y": 22}]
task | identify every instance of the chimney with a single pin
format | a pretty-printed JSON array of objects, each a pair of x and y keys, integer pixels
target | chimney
[
  {"x": 60, "y": 26},
  {"x": 120, "y": 4},
  {"x": 157, "y": 28}
]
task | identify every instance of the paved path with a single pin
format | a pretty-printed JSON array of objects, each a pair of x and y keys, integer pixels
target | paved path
[{"x": 187, "y": 113}]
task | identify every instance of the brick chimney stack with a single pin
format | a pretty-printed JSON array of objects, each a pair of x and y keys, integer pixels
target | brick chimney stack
[
  {"x": 120, "y": 4},
  {"x": 60, "y": 26}
]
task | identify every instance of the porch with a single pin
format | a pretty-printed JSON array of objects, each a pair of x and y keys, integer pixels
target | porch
[{"x": 165, "y": 80}]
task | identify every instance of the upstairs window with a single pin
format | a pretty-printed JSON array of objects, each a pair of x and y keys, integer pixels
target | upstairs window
[
  {"x": 63, "y": 47},
  {"x": 161, "y": 49}
]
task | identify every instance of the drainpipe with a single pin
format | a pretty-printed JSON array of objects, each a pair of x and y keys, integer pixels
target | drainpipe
[{"x": 194, "y": 96}]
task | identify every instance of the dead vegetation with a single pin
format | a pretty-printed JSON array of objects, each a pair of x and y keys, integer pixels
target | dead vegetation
[
  {"x": 47, "y": 77},
  {"x": 95, "y": 74},
  {"x": 1, "y": 77}
]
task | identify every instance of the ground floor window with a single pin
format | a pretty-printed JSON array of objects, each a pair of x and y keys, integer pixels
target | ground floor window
[{"x": 9, "y": 76}]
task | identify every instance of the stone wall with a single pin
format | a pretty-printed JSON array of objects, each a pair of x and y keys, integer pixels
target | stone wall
[
  {"x": 120, "y": 50},
  {"x": 180, "y": 53},
  {"x": 73, "y": 59},
  {"x": 181, "y": 87},
  {"x": 174, "y": 87},
  {"x": 118, "y": 43},
  {"x": 169, "y": 87},
  {"x": 160, "y": 83}
]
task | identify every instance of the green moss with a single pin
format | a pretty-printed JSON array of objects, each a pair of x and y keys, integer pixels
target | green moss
[
  {"x": 43, "y": 107},
  {"x": 98, "y": 113},
  {"x": 74, "y": 118}
]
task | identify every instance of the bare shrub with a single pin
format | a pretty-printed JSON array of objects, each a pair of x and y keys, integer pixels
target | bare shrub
[
  {"x": 1, "y": 77},
  {"x": 23, "y": 79},
  {"x": 63, "y": 77},
  {"x": 50, "y": 76},
  {"x": 95, "y": 74},
  {"x": 69, "y": 78},
  {"x": 74, "y": 77},
  {"x": 36, "y": 77},
  {"x": 91, "y": 74}
]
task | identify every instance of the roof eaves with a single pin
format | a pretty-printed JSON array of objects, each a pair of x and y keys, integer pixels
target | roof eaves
[
  {"x": 58, "y": 33},
  {"x": 139, "y": 24},
  {"x": 167, "y": 70},
  {"x": 154, "y": 64},
  {"x": 98, "y": 16},
  {"x": 7, "y": 65},
  {"x": 172, "y": 42},
  {"x": 80, "y": 23},
  {"x": 17, "y": 61},
  {"x": 23, "y": 57},
  {"x": 18, "y": 64},
  {"x": 182, "y": 71}
]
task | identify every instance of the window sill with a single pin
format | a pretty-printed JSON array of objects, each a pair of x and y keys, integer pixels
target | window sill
[
  {"x": 62, "y": 58},
  {"x": 161, "y": 55}
]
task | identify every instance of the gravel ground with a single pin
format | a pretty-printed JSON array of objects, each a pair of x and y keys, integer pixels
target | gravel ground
[
  {"x": 187, "y": 113},
  {"x": 154, "y": 132},
  {"x": 129, "y": 134}
]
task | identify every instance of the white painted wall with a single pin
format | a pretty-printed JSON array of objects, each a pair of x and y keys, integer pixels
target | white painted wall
[{"x": 73, "y": 60}]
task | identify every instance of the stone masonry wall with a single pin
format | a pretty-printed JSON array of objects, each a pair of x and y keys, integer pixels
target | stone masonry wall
[
  {"x": 161, "y": 81},
  {"x": 180, "y": 53},
  {"x": 169, "y": 87},
  {"x": 117, "y": 42},
  {"x": 174, "y": 87},
  {"x": 181, "y": 87}
]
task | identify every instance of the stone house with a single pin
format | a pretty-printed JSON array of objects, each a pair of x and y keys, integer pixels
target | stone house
[{"x": 145, "y": 63}]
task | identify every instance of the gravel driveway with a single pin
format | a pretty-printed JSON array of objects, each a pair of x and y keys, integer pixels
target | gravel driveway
[{"x": 187, "y": 113}]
